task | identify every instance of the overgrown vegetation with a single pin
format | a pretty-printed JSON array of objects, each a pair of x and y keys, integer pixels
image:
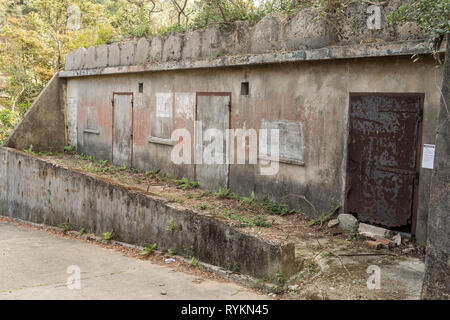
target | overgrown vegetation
[
  {"x": 311, "y": 265},
  {"x": 171, "y": 226},
  {"x": 67, "y": 226},
  {"x": 70, "y": 149},
  {"x": 29, "y": 150},
  {"x": 107, "y": 236},
  {"x": 281, "y": 280},
  {"x": 171, "y": 252},
  {"x": 249, "y": 200},
  {"x": 275, "y": 208},
  {"x": 202, "y": 206},
  {"x": 271, "y": 206},
  {"x": 257, "y": 221},
  {"x": 186, "y": 184},
  {"x": 189, "y": 252},
  {"x": 324, "y": 217},
  {"x": 226, "y": 194},
  {"x": 194, "y": 263},
  {"x": 149, "y": 249},
  {"x": 432, "y": 16},
  {"x": 8, "y": 120},
  {"x": 152, "y": 174}
]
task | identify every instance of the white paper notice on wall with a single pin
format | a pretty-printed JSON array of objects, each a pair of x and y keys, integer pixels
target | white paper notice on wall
[
  {"x": 164, "y": 105},
  {"x": 428, "y": 156}
]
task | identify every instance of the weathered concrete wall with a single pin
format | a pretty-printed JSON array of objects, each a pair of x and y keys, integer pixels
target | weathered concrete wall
[
  {"x": 313, "y": 94},
  {"x": 43, "y": 126},
  {"x": 34, "y": 190},
  {"x": 437, "y": 262},
  {"x": 273, "y": 33}
]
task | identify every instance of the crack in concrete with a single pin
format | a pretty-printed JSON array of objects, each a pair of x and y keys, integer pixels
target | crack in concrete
[{"x": 59, "y": 284}]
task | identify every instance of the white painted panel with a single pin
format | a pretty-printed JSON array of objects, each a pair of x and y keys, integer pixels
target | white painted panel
[
  {"x": 92, "y": 118},
  {"x": 164, "y": 105},
  {"x": 72, "y": 115},
  {"x": 185, "y": 105},
  {"x": 161, "y": 120}
]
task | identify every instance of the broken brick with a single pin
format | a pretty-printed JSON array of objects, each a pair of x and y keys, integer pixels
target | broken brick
[
  {"x": 385, "y": 242},
  {"x": 373, "y": 244}
]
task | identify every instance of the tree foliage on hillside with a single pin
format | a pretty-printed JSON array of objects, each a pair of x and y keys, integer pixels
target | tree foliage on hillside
[{"x": 36, "y": 35}]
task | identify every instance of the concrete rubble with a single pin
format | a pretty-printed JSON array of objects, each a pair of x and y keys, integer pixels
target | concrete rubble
[
  {"x": 371, "y": 231},
  {"x": 348, "y": 222},
  {"x": 333, "y": 223}
]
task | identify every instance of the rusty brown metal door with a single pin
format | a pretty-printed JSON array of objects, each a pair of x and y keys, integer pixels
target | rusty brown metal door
[{"x": 382, "y": 167}]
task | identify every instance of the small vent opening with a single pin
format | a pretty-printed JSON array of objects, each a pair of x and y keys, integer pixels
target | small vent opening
[{"x": 245, "y": 89}]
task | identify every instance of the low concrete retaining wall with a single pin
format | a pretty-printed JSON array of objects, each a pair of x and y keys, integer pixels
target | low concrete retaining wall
[{"x": 35, "y": 190}]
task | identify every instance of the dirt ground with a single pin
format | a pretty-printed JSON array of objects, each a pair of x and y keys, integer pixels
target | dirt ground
[
  {"x": 335, "y": 263},
  {"x": 337, "y": 268}
]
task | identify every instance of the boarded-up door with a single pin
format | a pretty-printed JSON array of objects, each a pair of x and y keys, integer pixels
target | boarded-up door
[
  {"x": 213, "y": 112},
  {"x": 122, "y": 129},
  {"x": 382, "y": 169}
]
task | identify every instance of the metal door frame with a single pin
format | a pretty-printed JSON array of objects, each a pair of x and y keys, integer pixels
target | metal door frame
[
  {"x": 132, "y": 124},
  {"x": 214, "y": 94},
  {"x": 415, "y": 199}
]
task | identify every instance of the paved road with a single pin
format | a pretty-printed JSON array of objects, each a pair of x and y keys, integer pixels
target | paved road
[{"x": 33, "y": 265}]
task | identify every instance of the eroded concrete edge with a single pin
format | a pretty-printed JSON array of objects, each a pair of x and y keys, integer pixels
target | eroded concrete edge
[
  {"x": 43, "y": 125},
  {"x": 328, "y": 53}
]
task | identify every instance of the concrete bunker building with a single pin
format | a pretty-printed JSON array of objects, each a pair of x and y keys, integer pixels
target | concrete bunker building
[{"x": 354, "y": 111}]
